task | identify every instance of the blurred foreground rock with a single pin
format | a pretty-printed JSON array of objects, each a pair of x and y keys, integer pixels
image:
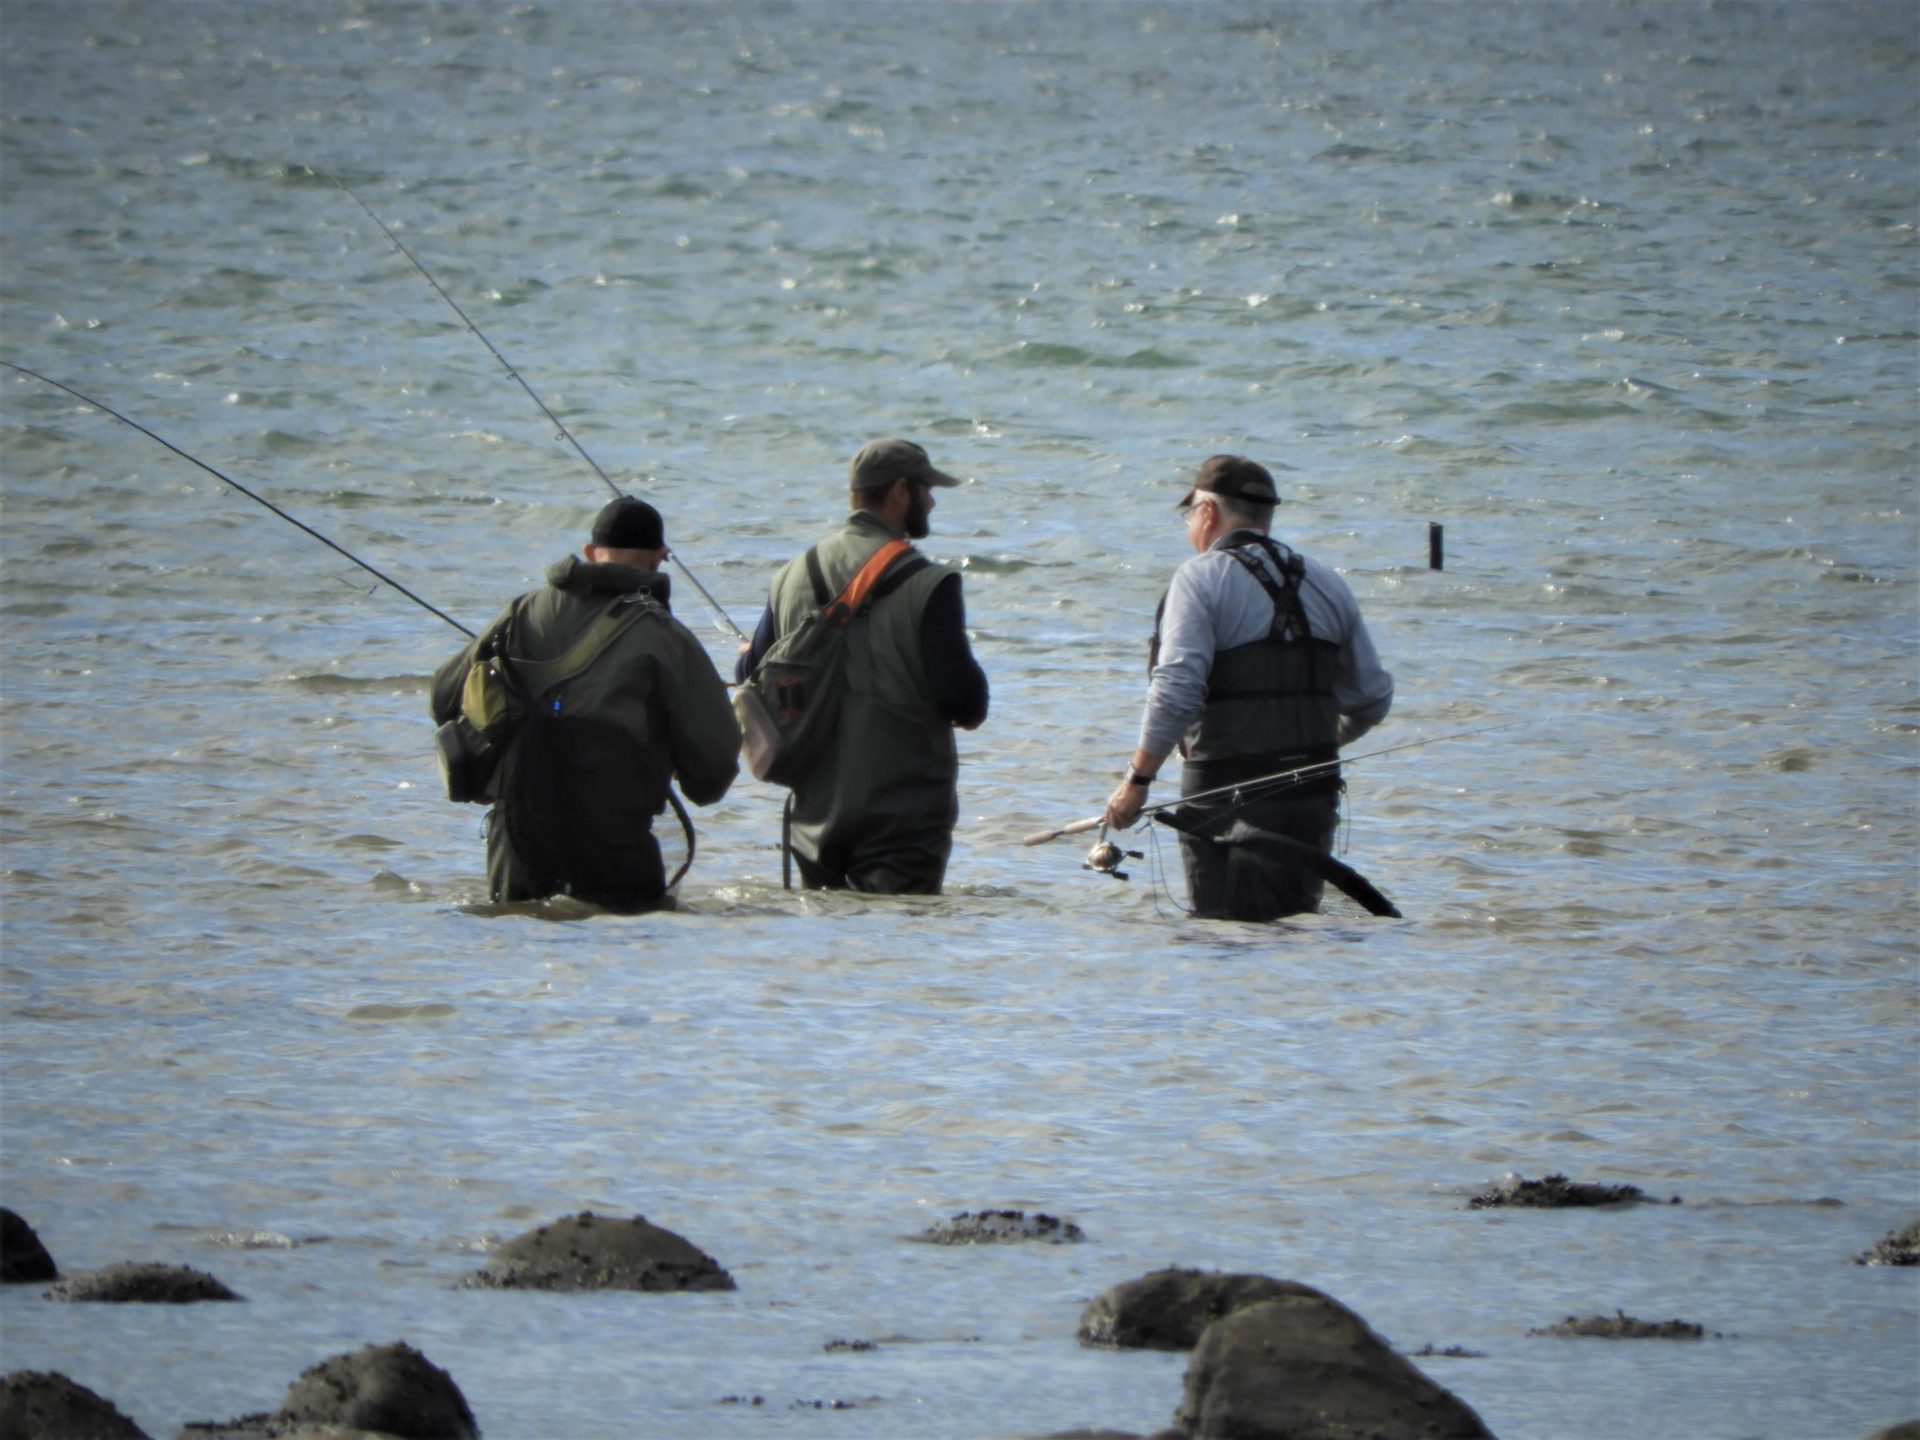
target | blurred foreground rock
[
  {"x": 386, "y": 1390},
  {"x": 46, "y": 1405},
  {"x": 23, "y": 1259},
  {"x": 1304, "y": 1367},
  {"x": 1168, "y": 1309}
]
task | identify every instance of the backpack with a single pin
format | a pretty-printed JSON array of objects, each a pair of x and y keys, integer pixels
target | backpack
[
  {"x": 789, "y": 707},
  {"x": 499, "y": 692}
]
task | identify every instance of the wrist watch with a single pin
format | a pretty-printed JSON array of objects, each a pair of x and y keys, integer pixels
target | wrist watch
[{"x": 1134, "y": 777}]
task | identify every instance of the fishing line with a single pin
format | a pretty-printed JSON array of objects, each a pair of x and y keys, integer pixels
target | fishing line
[
  {"x": 1157, "y": 868},
  {"x": 261, "y": 500},
  {"x": 565, "y": 434},
  {"x": 507, "y": 365},
  {"x": 686, "y": 822}
]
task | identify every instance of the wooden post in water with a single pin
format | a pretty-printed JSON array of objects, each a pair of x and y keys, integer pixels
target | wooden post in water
[{"x": 1436, "y": 546}]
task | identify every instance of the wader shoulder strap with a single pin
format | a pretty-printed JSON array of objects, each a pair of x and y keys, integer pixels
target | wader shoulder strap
[{"x": 1289, "y": 615}]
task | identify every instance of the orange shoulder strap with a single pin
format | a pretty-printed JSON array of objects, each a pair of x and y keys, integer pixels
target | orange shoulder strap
[{"x": 861, "y": 586}]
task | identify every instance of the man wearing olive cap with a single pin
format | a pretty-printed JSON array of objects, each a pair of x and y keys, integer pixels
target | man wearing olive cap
[
  {"x": 624, "y": 701},
  {"x": 878, "y": 812},
  {"x": 1260, "y": 663}
]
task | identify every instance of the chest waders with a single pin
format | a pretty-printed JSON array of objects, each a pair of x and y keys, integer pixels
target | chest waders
[
  {"x": 1269, "y": 707},
  {"x": 557, "y": 848},
  {"x": 877, "y": 812}
]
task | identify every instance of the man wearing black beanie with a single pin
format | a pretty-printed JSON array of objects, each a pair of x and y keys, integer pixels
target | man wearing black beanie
[{"x": 587, "y": 699}]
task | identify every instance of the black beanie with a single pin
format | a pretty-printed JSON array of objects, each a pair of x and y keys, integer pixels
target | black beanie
[{"x": 629, "y": 524}]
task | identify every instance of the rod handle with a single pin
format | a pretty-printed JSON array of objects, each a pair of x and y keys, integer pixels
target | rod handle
[{"x": 1041, "y": 837}]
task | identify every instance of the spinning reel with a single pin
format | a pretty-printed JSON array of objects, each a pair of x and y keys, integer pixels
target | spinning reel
[{"x": 1106, "y": 857}]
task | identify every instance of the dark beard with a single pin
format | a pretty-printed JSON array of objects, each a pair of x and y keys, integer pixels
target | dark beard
[{"x": 917, "y": 526}]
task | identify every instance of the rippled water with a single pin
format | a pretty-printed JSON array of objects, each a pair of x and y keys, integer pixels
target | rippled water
[{"x": 1624, "y": 296}]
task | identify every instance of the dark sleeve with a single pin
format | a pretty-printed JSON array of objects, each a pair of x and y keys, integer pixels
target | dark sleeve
[
  {"x": 702, "y": 732},
  {"x": 959, "y": 684},
  {"x": 762, "y": 638}
]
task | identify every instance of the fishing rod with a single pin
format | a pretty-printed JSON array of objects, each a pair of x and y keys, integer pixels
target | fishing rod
[
  {"x": 686, "y": 821},
  {"x": 257, "y": 499},
  {"x": 565, "y": 434},
  {"x": 1280, "y": 779}
]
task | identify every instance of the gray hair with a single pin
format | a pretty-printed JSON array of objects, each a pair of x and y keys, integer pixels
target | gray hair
[{"x": 1238, "y": 514}]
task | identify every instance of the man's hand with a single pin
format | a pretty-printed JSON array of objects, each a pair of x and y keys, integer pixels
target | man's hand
[
  {"x": 1123, "y": 806},
  {"x": 1130, "y": 795}
]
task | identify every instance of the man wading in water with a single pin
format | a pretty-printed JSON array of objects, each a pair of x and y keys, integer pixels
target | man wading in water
[
  {"x": 877, "y": 813},
  {"x": 1260, "y": 663},
  {"x": 612, "y": 699}
]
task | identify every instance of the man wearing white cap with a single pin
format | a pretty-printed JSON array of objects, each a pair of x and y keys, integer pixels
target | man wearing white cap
[{"x": 1260, "y": 664}]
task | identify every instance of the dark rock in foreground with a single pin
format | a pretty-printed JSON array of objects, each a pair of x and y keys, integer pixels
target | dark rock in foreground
[
  {"x": 591, "y": 1252},
  {"x": 1557, "y": 1192},
  {"x": 1000, "y": 1227},
  {"x": 389, "y": 1390},
  {"x": 1622, "y": 1326},
  {"x": 1900, "y": 1248},
  {"x": 1306, "y": 1366},
  {"x": 45, "y": 1405},
  {"x": 393, "y": 1389},
  {"x": 1168, "y": 1309},
  {"x": 23, "y": 1259},
  {"x": 1905, "y": 1430},
  {"x": 142, "y": 1284}
]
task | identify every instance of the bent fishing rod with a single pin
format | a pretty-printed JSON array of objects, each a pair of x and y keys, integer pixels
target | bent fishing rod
[
  {"x": 1279, "y": 780},
  {"x": 565, "y": 434},
  {"x": 257, "y": 499}
]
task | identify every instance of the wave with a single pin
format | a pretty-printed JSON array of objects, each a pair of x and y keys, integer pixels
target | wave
[{"x": 1047, "y": 356}]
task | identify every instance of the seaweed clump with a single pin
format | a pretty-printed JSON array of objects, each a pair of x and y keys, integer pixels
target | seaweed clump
[{"x": 1557, "y": 1192}]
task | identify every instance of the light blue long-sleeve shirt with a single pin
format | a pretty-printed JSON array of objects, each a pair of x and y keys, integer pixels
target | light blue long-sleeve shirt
[{"x": 1213, "y": 604}]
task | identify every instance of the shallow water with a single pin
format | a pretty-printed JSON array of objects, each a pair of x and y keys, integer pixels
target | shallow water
[{"x": 1623, "y": 296}]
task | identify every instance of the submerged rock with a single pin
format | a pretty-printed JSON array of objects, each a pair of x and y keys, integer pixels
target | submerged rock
[
  {"x": 1557, "y": 1192},
  {"x": 46, "y": 1405},
  {"x": 1000, "y": 1227},
  {"x": 142, "y": 1284},
  {"x": 1305, "y": 1365},
  {"x": 1168, "y": 1309},
  {"x": 386, "y": 1390},
  {"x": 23, "y": 1259},
  {"x": 1902, "y": 1247},
  {"x": 592, "y": 1252},
  {"x": 1622, "y": 1326}
]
